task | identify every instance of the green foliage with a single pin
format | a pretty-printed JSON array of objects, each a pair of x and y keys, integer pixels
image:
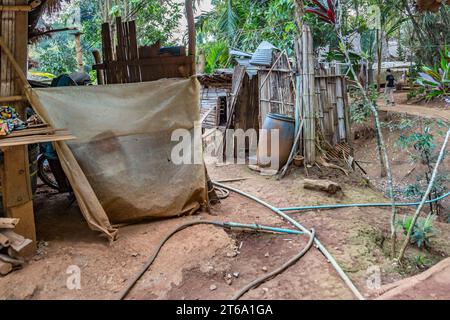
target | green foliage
[
  {"x": 245, "y": 24},
  {"x": 422, "y": 262},
  {"x": 415, "y": 92},
  {"x": 423, "y": 144},
  {"x": 216, "y": 56},
  {"x": 425, "y": 152},
  {"x": 360, "y": 110},
  {"x": 155, "y": 20},
  {"x": 437, "y": 79},
  {"x": 422, "y": 232}
]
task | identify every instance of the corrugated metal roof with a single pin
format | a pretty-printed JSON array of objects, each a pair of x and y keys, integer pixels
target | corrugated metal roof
[
  {"x": 250, "y": 69},
  {"x": 239, "y": 53},
  {"x": 263, "y": 54}
]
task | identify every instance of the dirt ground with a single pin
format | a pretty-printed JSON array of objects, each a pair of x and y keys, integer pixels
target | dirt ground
[
  {"x": 405, "y": 170},
  {"x": 195, "y": 263},
  {"x": 206, "y": 262},
  {"x": 435, "y": 109}
]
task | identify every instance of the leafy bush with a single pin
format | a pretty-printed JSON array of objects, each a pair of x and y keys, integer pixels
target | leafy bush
[
  {"x": 422, "y": 232},
  {"x": 359, "y": 108},
  {"x": 437, "y": 79}
]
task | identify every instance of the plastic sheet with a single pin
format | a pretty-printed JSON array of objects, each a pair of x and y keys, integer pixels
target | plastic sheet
[{"x": 123, "y": 148}]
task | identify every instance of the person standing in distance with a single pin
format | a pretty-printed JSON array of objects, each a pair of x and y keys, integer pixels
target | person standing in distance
[{"x": 390, "y": 87}]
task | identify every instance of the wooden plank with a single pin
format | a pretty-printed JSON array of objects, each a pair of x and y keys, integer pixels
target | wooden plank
[
  {"x": 26, "y": 226},
  {"x": 8, "y": 223},
  {"x": 107, "y": 54},
  {"x": 29, "y": 132},
  {"x": 133, "y": 51},
  {"x": 12, "y": 99},
  {"x": 39, "y": 138},
  {"x": 120, "y": 53},
  {"x": 16, "y": 241}
]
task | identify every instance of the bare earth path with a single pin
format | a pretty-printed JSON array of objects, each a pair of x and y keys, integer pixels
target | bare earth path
[{"x": 426, "y": 111}]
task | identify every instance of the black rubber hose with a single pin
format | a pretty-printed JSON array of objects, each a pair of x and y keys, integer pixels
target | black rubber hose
[
  {"x": 152, "y": 258},
  {"x": 150, "y": 261},
  {"x": 277, "y": 271}
]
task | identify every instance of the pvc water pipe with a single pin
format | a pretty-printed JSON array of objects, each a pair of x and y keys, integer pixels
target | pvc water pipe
[
  {"x": 337, "y": 206},
  {"x": 295, "y": 223},
  {"x": 257, "y": 227}
]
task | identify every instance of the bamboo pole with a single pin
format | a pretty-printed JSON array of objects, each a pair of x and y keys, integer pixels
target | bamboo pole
[
  {"x": 308, "y": 95},
  {"x": 340, "y": 104}
]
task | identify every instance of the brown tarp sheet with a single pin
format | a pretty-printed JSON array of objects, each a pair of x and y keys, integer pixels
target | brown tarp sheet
[{"x": 120, "y": 165}]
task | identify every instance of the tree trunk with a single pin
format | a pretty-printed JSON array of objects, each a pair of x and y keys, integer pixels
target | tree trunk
[{"x": 380, "y": 57}]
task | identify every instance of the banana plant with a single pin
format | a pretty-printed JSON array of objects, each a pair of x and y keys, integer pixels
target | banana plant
[
  {"x": 437, "y": 79},
  {"x": 325, "y": 11}
]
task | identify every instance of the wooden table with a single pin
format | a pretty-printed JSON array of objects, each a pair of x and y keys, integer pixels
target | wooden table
[{"x": 17, "y": 196}]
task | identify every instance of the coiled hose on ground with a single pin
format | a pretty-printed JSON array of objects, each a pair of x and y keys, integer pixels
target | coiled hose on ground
[
  {"x": 226, "y": 225},
  {"x": 295, "y": 223}
]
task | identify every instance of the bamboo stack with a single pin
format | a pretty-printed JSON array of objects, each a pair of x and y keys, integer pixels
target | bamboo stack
[{"x": 11, "y": 245}]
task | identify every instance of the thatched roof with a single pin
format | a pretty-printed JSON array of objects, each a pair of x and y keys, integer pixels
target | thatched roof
[
  {"x": 430, "y": 5},
  {"x": 46, "y": 6}
]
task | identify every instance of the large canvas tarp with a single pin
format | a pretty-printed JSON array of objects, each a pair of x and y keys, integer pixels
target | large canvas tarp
[{"x": 123, "y": 149}]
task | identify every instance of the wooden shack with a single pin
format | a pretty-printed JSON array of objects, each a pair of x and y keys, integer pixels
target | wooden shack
[{"x": 214, "y": 97}]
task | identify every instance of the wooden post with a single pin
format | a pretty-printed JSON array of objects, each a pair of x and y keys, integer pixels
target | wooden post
[
  {"x": 79, "y": 51},
  {"x": 191, "y": 32},
  {"x": 16, "y": 190},
  {"x": 100, "y": 73}
]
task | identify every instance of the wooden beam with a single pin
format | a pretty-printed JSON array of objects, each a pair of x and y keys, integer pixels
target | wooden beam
[
  {"x": 37, "y": 138},
  {"x": 22, "y": 8},
  {"x": 12, "y": 99},
  {"x": 145, "y": 62}
]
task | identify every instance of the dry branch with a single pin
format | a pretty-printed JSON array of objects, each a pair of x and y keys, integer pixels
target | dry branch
[{"x": 327, "y": 186}]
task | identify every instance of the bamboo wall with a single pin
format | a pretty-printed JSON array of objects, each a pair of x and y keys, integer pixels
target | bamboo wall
[
  {"x": 13, "y": 23},
  {"x": 276, "y": 88},
  {"x": 331, "y": 101}
]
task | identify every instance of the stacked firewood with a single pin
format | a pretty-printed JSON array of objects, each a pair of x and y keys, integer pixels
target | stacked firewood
[{"x": 11, "y": 244}]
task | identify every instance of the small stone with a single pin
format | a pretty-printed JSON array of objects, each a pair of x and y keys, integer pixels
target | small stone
[
  {"x": 265, "y": 290},
  {"x": 267, "y": 255},
  {"x": 134, "y": 254},
  {"x": 212, "y": 287},
  {"x": 264, "y": 269},
  {"x": 229, "y": 282},
  {"x": 229, "y": 276},
  {"x": 232, "y": 254},
  {"x": 236, "y": 274}
]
